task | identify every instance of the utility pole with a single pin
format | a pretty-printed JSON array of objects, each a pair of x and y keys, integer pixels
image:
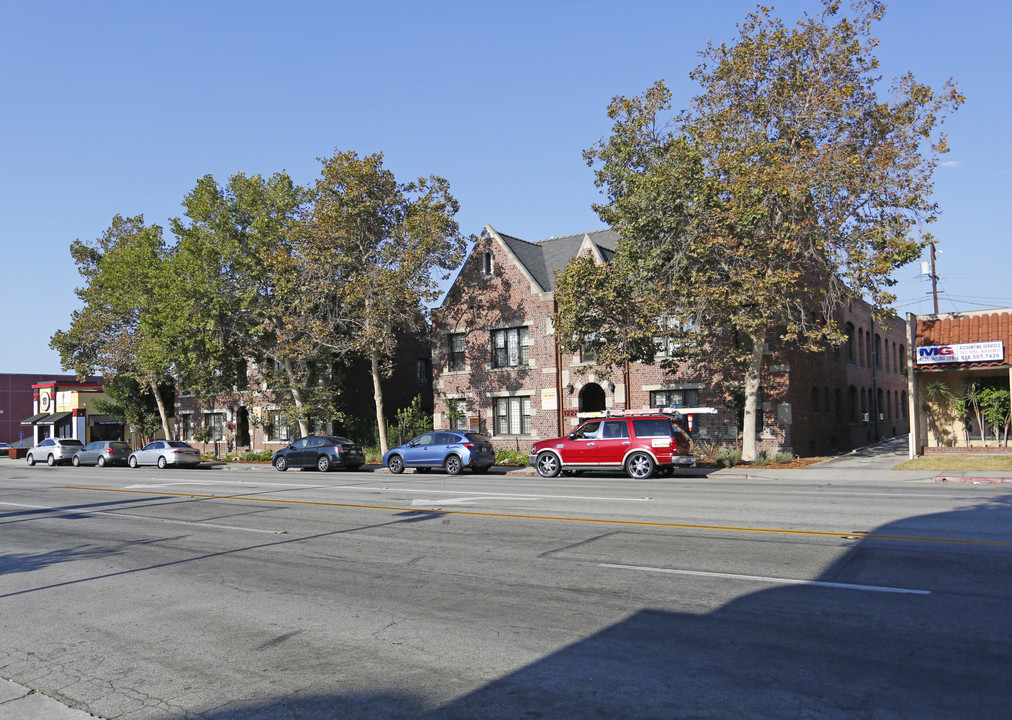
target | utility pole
[{"x": 934, "y": 277}]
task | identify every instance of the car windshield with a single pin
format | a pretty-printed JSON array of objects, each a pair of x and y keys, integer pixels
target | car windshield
[
  {"x": 475, "y": 437},
  {"x": 177, "y": 444},
  {"x": 72, "y": 443},
  {"x": 339, "y": 441},
  {"x": 119, "y": 446}
]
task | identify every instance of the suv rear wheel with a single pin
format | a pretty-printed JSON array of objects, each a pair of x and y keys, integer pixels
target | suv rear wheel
[{"x": 453, "y": 465}]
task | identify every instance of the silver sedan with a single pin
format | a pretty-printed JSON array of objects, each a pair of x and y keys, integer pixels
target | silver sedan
[{"x": 164, "y": 452}]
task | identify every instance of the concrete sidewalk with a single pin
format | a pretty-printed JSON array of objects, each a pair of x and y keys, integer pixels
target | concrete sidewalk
[
  {"x": 20, "y": 703},
  {"x": 873, "y": 462}
]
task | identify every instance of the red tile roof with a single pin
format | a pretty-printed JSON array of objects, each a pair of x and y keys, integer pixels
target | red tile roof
[{"x": 969, "y": 328}]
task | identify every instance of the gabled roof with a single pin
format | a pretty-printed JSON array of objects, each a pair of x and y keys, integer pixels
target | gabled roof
[{"x": 541, "y": 259}]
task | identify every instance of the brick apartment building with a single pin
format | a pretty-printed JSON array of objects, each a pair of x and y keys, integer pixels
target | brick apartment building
[
  {"x": 248, "y": 420},
  {"x": 497, "y": 367}
]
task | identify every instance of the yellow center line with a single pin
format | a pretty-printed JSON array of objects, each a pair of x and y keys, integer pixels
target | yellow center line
[{"x": 558, "y": 518}]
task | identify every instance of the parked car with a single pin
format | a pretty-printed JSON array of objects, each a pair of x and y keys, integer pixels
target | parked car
[
  {"x": 54, "y": 451},
  {"x": 102, "y": 453},
  {"x": 4, "y": 447},
  {"x": 452, "y": 450},
  {"x": 164, "y": 452},
  {"x": 639, "y": 444},
  {"x": 320, "y": 452}
]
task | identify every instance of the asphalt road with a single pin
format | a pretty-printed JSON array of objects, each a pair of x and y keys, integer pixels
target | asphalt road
[{"x": 146, "y": 594}]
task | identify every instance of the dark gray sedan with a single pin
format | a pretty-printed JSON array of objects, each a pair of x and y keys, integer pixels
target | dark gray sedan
[
  {"x": 102, "y": 453},
  {"x": 320, "y": 452}
]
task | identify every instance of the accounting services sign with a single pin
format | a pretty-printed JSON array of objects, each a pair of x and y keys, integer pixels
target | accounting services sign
[{"x": 963, "y": 353}]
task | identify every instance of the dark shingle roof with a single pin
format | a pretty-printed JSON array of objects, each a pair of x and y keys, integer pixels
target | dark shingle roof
[{"x": 543, "y": 258}]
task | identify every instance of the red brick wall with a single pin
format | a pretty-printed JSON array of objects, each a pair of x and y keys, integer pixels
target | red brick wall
[{"x": 791, "y": 418}]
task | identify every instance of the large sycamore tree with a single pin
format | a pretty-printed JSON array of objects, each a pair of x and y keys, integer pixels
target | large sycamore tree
[
  {"x": 116, "y": 332},
  {"x": 371, "y": 256},
  {"x": 230, "y": 299},
  {"x": 793, "y": 181}
]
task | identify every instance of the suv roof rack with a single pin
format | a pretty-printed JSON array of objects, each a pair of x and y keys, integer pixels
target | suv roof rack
[{"x": 647, "y": 411}]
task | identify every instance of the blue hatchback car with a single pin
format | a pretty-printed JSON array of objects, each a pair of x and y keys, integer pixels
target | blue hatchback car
[{"x": 452, "y": 450}]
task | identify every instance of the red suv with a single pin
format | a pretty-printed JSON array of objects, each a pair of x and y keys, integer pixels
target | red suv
[{"x": 641, "y": 444}]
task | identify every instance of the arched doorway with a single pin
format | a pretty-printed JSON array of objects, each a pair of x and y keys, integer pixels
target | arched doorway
[{"x": 592, "y": 398}]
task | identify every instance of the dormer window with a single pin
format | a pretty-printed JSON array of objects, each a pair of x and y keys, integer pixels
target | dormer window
[{"x": 486, "y": 264}]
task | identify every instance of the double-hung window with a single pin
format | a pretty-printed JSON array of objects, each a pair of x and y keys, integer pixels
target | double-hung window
[
  {"x": 456, "y": 352},
  {"x": 186, "y": 426},
  {"x": 277, "y": 428},
  {"x": 215, "y": 423},
  {"x": 456, "y": 414},
  {"x": 509, "y": 347},
  {"x": 513, "y": 416}
]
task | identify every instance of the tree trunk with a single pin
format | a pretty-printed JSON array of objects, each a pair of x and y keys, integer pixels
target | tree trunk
[
  {"x": 161, "y": 408},
  {"x": 752, "y": 378},
  {"x": 297, "y": 399},
  {"x": 377, "y": 393}
]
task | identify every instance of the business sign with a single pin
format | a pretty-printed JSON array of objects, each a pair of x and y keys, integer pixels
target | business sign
[{"x": 962, "y": 353}]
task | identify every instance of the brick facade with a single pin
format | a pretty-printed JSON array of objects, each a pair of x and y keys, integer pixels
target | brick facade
[
  {"x": 242, "y": 420},
  {"x": 523, "y": 389}
]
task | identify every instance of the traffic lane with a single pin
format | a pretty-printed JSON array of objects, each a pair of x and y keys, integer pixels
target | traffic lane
[
  {"x": 781, "y": 554},
  {"x": 477, "y": 593},
  {"x": 767, "y": 507}
]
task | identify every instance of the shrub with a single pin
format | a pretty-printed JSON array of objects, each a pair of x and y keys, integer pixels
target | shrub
[
  {"x": 727, "y": 457},
  {"x": 506, "y": 456}
]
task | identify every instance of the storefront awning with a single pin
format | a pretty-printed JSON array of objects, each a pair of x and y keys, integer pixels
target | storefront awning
[
  {"x": 98, "y": 419},
  {"x": 34, "y": 419},
  {"x": 54, "y": 418}
]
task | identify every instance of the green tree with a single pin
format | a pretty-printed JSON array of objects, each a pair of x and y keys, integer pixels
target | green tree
[
  {"x": 786, "y": 187},
  {"x": 938, "y": 401},
  {"x": 995, "y": 407},
  {"x": 973, "y": 388},
  {"x": 229, "y": 302},
  {"x": 116, "y": 332},
  {"x": 133, "y": 404},
  {"x": 374, "y": 251}
]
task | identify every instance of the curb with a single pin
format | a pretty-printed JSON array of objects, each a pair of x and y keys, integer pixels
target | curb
[{"x": 973, "y": 480}]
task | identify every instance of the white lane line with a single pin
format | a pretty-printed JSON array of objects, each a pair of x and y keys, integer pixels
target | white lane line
[
  {"x": 495, "y": 495},
  {"x": 478, "y": 495},
  {"x": 461, "y": 500},
  {"x": 148, "y": 486},
  {"x": 141, "y": 517},
  {"x": 774, "y": 580}
]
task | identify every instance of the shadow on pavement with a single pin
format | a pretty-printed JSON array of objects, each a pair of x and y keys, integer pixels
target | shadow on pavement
[{"x": 896, "y": 631}]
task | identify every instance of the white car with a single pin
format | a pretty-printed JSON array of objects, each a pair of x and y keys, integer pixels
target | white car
[
  {"x": 164, "y": 452},
  {"x": 54, "y": 451}
]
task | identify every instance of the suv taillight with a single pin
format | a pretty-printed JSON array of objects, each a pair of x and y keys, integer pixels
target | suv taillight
[{"x": 469, "y": 445}]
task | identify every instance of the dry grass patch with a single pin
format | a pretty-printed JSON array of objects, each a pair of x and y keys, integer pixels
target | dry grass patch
[{"x": 993, "y": 463}]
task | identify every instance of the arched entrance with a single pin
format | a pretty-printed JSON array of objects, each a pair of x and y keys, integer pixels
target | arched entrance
[{"x": 592, "y": 398}]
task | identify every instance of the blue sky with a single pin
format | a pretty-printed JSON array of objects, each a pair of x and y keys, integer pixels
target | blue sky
[{"x": 119, "y": 107}]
